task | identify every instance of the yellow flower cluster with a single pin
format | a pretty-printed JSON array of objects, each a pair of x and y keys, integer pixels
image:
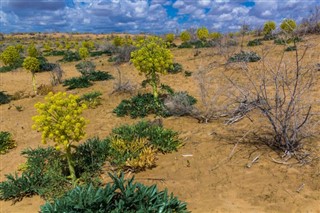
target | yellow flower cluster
[
  {"x": 152, "y": 56},
  {"x": 60, "y": 120}
]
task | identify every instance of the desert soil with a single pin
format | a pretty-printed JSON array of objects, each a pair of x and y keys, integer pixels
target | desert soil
[{"x": 210, "y": 172}]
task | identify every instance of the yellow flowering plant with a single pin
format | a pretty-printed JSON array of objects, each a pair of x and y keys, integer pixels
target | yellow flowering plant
[
  {"x": 59, "y": 119},
  {"x": 152, "y": 58}
]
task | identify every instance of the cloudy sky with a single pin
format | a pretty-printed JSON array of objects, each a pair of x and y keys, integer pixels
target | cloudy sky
[{"x": 152, "y": 16}]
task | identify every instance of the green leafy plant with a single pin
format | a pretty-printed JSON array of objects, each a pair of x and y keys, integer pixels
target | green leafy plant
[
  {"x": 4, "y": 98},
  {"x": 77, "y": 82},
  {"x": 176, "y": 68},
  {"x": 120, "y": 196},
  {"x": 70, "y": 56},
  {"x": 291, "y": 48},
  {"x": 163, "y": 140},
  {"x": 99, "y": 76},
  {"x": 244, "y": 57},
  {"x": 45, "y": 171},
  {"x": 279, "y": 41},
  {"x": 6, "y": 142},
  {"x": 185, "y": 45},
  {"x": 60, "y": 120},
  {"x": 140, "y": 105},
  {"x": 152, "y": 58},
  {"x": 254, "y": 42},
  {"x": 91, "y": 99}
]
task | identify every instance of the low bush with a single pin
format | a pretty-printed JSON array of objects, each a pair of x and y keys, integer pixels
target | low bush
[
  {"x": 244, "y": 57},
  {"x": 6, "y": 142},
  {"x": 140, "y": 105},
  {"x": 91, "y": 99},
  {"x": 85, "y": 67},
  {"x": 44, "y": 89},
  {"x": 70, "y": 56},
  {"x": 120, "y": 196},
  {"x": 279, "y": 41},
  {"x": 9, "y": 68},
  {"x": 77, "y": 82},
  {"x": 45, "y": 65},
  {"x": 269, "y": 37},
  {"x": 46, "y": 171},
  {"x": 291, "y": 48},
  {"x": 99, "y": 53},
  {"x": 99, "y": 76},
  {"x": 179, "y": 104},
  {"x": 4, "y": 98},
  {"x": 55, "y": 53},
  {"x": 176, "y": 68},
  {"x": 185, "y": 45},
  {"x": 163, "y": 140},
  {"x": 254, "y": 42}
]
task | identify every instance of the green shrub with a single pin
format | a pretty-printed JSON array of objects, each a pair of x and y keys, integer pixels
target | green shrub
[
  {"x": 185, "y": 45},
  {"x": 46, "y": 171},
  {"x": 279, "y": 41},
  {"x": 4, "y": 98},
  {"x": 268, "y": 27},
  {"x": 91, "y": 99},
  {"x": 55, "y": 53},
  {"x": 77, "y": 82},
  {"x": 187, "y": 73},
  {"x": 70, "y": 56},
  {"x": 185, "y": 36},
  {"x": 99, "y": 53},
  {"x": 6, "y": 142},
  {"x": 175, "y": 69},
  {"x": 288, "y": 25},
  {"x": 45, "y": 65},
  {"x": 244, "y": 57},
  {"x": 10, "y": 56},
  {"x": 140, "y": 105},
  {"x": 291, "y": 48},
  {"x": 269, "y": 37},
  {"x": 85, "y": 67},
  {"x": 99, "y": 76},
  {"x": 120, "y": 196},
  {"x": 163, "y": 140},
  {"x": 254, "y": 42}
]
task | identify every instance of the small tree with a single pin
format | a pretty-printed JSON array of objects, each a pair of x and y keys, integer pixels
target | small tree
[
  {"x": 268, "y": 27},
  {"x": 32, "y": 65},
  {"x": 60, "y": 120},
  {"x": 185, "y": 36},
  {"x": 152, "y": 58},
  {"x": 83, "y": 52},
  {"x": 10, "y": 56},
  {"x": 215, "y": 35},
  {"x": 32, "y": 51},
  {"x": 202, "y": 33},
  {"x": 288, "y": 25},
  {"x": 170, "y": 37}
]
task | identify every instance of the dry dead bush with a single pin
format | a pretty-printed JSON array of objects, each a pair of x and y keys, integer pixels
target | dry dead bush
[
  {"x": 281, "y": 92},
  {"x": 56, "y": 75},
  {"x": 122, "y": 85}
]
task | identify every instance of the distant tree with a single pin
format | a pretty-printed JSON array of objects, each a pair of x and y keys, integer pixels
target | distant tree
[
  {"x": 215, "y": 35},
  {"x": 185, "y": 36},
  {"x": 268, "y": 27},
  {"x": 83, "y": 52},
  {"x": 170, "y": 37},
  {"x": 32, "y": 51},
  {"x": 32, "y": 65},
  {"x": 288, "y": 25},
  {"x": 202, "y": 33},
  {"x": 10, "y": 56}
]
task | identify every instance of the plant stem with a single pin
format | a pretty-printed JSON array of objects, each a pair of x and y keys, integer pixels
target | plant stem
[
  {"x": 71, "y": 167},
  {"x": 34, "y": 83}
]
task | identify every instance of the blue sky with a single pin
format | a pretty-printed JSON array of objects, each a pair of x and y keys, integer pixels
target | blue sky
[{"x": 151, "y": 16}]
